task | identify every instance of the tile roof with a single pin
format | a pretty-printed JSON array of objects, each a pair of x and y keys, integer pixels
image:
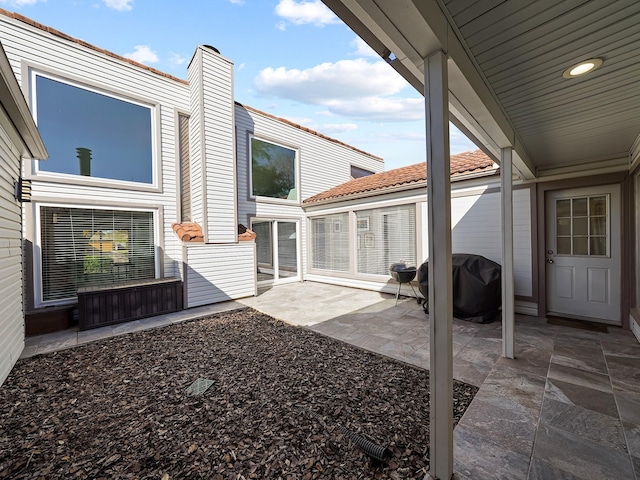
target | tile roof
[
  {"x": 60, "y": 34},
  {"x": 406, "y": 177},
  {"x": 192, "y": 232}
]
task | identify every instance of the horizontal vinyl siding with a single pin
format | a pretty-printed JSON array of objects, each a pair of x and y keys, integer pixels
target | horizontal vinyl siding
[
  {"x": 217, "y": 75},
  {"x": 323, "y": 164},
  {"x": 49, "y": 53},
  {"x": 11, "y": 313},
  {"x": 195, "y": 139},
  {"x": 476, "y": 226},
  {"x": 216, "y": 273}
]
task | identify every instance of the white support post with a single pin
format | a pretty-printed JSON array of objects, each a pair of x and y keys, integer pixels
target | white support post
[
  {"x": 440, "y": 274},
  {"x": 508, "y": 308}
]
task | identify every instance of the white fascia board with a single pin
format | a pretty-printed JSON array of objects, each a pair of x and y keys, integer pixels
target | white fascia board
[{"x": 14, "y": 104}]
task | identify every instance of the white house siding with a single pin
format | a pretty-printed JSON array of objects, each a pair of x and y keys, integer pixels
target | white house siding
[
  {"x": 196, "y": 125},
  {"x": 323, "y": 164},
  {"x": 215, "y": 273},
  {"x": 27, "y": 46},
  {"x": 475, "y": 220},
  {"x": 11, "y": 314},
  {"x": 476, "y": 227},
  {"x": 211, "y": 84}
]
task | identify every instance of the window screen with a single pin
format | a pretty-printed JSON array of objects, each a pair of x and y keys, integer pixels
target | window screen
[{"x": 90, "y": 247}]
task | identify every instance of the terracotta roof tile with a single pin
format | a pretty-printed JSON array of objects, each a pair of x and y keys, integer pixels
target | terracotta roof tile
[
  {"x": 461, "y": 164},
  {"x": 188, "y": 232},
  {"x": 192, "y": 232},
  {"x": 245, "y": 234}
]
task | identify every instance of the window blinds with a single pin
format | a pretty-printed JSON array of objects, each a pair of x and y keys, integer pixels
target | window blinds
[{"x": 90, "y": 247}]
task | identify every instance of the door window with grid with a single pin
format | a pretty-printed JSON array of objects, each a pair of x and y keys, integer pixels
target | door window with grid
[{"x": 582, "y": 226}]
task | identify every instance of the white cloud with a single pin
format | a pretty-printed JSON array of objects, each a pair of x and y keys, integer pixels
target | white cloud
[
  {"x": 299, "y": 13},
  {"x": 380, "y": 109},
  {"x": 356, "y": 89},
  {"x": 19, "y": 3},
  {"x": 361, "y": 49},
  {"x": 237, "y": 2},
  {"x": 142, "y": 54},
  {"x": 175, "y": 59},
  {"x": 334, "y": 128},
  {"x": 241, "y": 66},
  {"x": 458, "y": 141},
  {"x": 121, "y": 5},
  {"x": 345, "y": 79}
]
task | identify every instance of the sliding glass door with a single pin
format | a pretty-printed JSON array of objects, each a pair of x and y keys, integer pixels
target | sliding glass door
[{"x": 277, "y": 250}]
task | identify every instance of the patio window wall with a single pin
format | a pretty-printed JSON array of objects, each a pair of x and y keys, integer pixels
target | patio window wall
[{"x": 380, "y": 237}]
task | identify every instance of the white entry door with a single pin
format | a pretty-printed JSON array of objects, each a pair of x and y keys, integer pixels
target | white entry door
[{"x": 583, "y": 269}]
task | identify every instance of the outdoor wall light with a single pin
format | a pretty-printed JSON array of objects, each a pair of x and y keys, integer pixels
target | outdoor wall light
[
  {"x": 581, "y": 68},
  {"x": 22, "y": 190}
]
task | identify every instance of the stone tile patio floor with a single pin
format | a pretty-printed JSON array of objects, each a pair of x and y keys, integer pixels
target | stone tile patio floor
[{"x": 568, "y": 406}]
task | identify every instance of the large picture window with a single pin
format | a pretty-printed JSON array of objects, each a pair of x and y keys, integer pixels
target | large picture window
[
  {"x": 89, "y": 247},
  {"x": 93, "y": 134},
  {"x": 273, "y": 171}
]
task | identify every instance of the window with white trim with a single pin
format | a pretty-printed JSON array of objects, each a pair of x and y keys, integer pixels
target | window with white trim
[
  {"x": 92, "y": 133},
  {"x": 273, "y": 171},
  {"x": 330, "y": 242},
  {"x": 90, "y": 247},
  {"x": 385, "y": 236}
]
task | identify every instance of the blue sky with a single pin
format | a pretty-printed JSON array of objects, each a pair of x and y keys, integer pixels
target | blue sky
[{"x": 292, "y": 58}]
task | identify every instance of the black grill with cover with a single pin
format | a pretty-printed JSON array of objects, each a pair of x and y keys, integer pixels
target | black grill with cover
[{"x": 477, "y": 288}]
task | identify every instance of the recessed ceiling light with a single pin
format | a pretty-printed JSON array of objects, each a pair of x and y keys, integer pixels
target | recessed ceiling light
[{"x": 582, "y": 68}]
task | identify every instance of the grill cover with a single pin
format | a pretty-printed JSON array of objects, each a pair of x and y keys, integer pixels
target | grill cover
[{"x": 477, "y": 288}]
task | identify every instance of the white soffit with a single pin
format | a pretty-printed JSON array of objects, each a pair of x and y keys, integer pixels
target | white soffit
[{"x": 411, "y": 31}]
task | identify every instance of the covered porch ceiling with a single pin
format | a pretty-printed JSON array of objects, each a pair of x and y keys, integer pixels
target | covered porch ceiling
[{"x": 506, "y": 60}]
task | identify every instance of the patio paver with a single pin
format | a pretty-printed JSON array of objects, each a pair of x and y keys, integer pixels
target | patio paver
[{"x": 566, "y": 407}]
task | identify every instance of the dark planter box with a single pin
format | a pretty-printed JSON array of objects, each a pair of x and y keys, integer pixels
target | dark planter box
[
  {"x": 48, "y": 320},
  {"x": 108, "y": 305}
]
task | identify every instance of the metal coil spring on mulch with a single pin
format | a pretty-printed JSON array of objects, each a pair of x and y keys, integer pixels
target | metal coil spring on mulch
[{"x": 371, "y": 449}]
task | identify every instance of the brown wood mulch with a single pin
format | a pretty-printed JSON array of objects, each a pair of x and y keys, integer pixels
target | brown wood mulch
[{"x": 282, "y": 402}]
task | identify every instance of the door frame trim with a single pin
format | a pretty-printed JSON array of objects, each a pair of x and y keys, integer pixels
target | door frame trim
[
  {"x": 619, "y": 178},
  {"x": 298, "y": 221}
]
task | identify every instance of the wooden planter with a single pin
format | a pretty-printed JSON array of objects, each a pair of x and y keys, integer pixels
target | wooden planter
[
  {"x": 48, "y": 320},
  {"x": 108, "y": 305}
]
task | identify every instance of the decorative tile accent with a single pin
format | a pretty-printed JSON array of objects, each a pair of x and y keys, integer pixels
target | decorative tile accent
[
  {"x": 588, "y": 398},
  {"x": 580, "y": 377}
]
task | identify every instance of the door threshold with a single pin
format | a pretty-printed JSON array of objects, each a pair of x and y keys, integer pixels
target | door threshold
[{"x": 581, "y": 324}]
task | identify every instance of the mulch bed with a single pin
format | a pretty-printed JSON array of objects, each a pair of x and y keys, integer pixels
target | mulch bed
[{"x": 119, "y": 408}]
